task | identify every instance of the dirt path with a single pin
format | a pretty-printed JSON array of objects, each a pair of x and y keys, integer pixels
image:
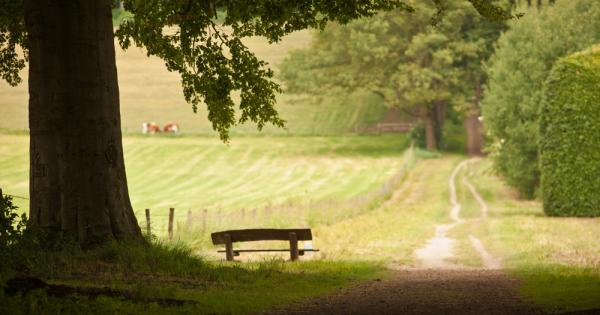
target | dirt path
[
  {"x": 424, "y": 291},
  {"x": 435, "y": 286},
  {"x": 440, "y": 248},
  {"x": 489, "y": 261}
]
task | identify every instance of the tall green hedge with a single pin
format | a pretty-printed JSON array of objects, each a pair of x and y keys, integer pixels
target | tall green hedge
[
  {"x": 570, "y": 136},
  {"x": 521, "y": 63}
]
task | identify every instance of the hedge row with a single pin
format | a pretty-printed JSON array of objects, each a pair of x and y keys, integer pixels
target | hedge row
[{"x": 570, "y": 137}]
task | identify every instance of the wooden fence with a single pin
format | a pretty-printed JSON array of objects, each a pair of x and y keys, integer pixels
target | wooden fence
[{"x": 388, "y": 128}]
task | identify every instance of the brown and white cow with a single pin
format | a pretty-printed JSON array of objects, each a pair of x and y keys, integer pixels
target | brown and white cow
[
  {"x": 171, "y": 127},
  {"x": 150, "y": 127}
]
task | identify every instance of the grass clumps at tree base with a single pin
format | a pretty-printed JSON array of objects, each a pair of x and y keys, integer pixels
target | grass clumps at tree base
[{"x": 569, "y": 137}]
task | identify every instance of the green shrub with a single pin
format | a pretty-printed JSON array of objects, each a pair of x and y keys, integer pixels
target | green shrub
[
  {"x": 454, "y": 137},
  {"x": 11, "y": 224},
  {"x": 521, "y": 63},
  {"x": 417, "y": 136},
  {"x": 570, "y": 137}
]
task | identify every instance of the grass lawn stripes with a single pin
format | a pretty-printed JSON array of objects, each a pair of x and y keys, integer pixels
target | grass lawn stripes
[{"x": 192, "y": 174}]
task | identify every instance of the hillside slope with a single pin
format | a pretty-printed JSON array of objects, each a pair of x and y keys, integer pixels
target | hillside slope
[{"x": 151, "y": 93}]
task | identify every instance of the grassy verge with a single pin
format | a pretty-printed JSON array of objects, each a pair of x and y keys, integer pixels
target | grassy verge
[
  {"x": 149, "y": 274},
  {"x": 558, "y": 259},
  {"x": 393, "y": 230}
]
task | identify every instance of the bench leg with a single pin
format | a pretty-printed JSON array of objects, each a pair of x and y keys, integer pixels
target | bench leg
[
  {"x": 228, "y": 248},
  {"x": 294, "y": 246}
]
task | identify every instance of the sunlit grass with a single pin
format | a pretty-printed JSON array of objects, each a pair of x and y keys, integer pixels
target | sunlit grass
[
  {"x": 401, "y": 224},
  {"x": 196, "y": 173}
]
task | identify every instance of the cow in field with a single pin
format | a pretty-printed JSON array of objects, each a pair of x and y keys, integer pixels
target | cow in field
[
  {"x": 171, "y": 128},
  {"x": 150, "y": 127}
]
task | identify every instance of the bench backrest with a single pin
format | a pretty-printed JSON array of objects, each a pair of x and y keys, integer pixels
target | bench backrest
[{"x": 260, "y": 235}]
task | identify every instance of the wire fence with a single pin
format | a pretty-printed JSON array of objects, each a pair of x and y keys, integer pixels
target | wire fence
[{"x": 195, "y": 225}]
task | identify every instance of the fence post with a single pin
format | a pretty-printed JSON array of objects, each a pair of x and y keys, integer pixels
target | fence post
[
  {"x": 189, "y": 216},
  {"x": 148, "y": 231},
  {"x": 171, "y": 215},
  {"x": 204, "y": 218},
  {"x": 242, "y": 213}
]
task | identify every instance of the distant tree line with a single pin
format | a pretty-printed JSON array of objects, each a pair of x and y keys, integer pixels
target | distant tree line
[{"x": 424, "y": 64}]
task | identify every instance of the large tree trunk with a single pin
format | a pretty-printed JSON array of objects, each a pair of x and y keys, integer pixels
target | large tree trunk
[
  {"x": 78, "y": 186},
  {"x": 473, "y": 125}
]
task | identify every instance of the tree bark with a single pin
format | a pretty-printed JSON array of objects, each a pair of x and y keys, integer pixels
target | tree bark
[
  {"x": 473, "y": 126},
  {"x": 474, "y": 136},
  {"x": 430, "y": 138},
  {"x": 439, "y": 112},
  {"x": 78, "y": 186},
  {"x": 434, "y": 117}
]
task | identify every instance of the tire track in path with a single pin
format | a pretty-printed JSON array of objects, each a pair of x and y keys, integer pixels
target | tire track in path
[
  {"x": 489, "y": 261},
  {"x": 440, "y": 248}
]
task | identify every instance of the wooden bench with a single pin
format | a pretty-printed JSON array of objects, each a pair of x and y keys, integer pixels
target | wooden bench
[{"x": 227, "y": 238}]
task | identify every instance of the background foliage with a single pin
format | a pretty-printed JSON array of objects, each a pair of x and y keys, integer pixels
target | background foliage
[
  {"x": 521, "y": 63},
  {"x": 406, "y": 59},
  {"x": 569, "y": 137}
]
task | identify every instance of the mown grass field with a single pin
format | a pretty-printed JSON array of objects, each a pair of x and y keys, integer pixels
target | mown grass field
[{"x": 196, "y": 173}]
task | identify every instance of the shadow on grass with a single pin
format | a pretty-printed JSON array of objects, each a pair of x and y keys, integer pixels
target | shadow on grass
[
  {"x": 561, "y": 288},
  {"x": 156, "y": 277}
]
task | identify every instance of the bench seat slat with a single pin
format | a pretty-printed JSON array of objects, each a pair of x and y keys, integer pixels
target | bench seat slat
[
  {"x": 267, "y": 250},
  {"x": 250, "y": 235},
  {"x": 237, "y": 252}
]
